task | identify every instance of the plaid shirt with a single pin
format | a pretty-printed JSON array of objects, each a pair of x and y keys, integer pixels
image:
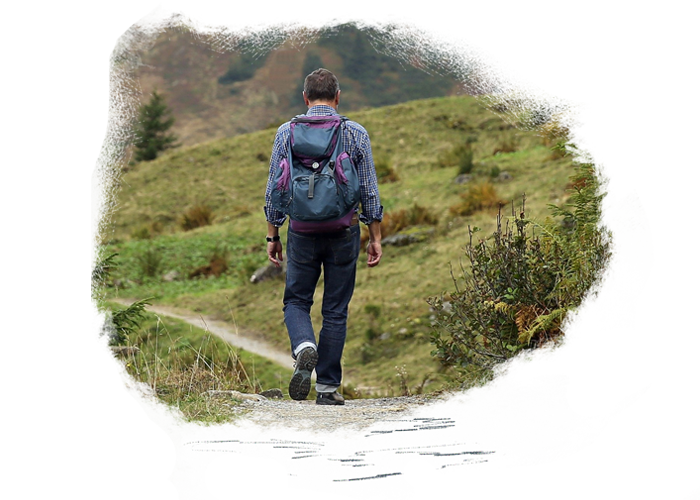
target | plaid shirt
[{"x": 357, "y": 143}]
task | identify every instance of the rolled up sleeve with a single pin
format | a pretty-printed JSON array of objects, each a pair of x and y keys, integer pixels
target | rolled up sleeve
[{"x": 372, "y": 209}]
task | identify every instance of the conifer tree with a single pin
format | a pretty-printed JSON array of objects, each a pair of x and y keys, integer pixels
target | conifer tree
[{"x": 152, "y": 127}]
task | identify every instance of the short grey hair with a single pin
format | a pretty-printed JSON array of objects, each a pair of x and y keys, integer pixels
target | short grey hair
[{"x": 321, "y": 85}]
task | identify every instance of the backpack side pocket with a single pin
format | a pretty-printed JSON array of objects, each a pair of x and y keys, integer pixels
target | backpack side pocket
[
  {"x": 348, "y": 180},
  {"x": 280, "y": 196}
]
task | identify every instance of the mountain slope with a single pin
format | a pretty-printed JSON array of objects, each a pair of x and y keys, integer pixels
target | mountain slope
[{"x": 224, "y": 87}]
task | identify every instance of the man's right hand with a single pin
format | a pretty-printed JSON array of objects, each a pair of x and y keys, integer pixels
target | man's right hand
[
  {"x": 274, "y": 252},
  {"x": 374, "y": 253}
]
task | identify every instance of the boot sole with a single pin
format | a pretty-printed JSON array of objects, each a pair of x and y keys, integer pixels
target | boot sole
[
  {"x": 300, "y": 384},
  {"x": 329, "y": 402}
]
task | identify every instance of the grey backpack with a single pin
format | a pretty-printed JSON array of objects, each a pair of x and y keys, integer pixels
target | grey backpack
[{"x": 317, "y": 185}]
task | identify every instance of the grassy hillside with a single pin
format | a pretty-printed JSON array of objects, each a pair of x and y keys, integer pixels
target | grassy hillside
[{"x": 417, "y": 145}]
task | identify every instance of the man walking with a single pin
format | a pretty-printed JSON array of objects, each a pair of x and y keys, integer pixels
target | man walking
[{"x": 335, "y": 252}]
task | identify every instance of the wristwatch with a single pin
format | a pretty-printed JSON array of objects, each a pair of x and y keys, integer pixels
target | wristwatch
[{"x": 274, "y": 238}]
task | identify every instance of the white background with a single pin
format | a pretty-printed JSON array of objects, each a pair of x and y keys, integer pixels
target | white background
[{"x": 616, "y": 53}]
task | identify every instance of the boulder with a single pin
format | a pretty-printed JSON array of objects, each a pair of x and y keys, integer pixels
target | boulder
[
  {"x": 504, "y": 176},
  {"x": 171, "y": 276},
  {"x": 267, "y": 272},
  {"x": 408, "y": 237},
  {"x": 272, "y": 394}
]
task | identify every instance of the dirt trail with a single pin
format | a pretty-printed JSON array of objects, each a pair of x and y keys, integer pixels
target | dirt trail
[{"x": 237, "y": 337}]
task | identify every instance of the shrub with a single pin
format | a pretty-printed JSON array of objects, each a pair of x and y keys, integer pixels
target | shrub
[
  {"x": 460, "y": 156},
  {"x": 151, "y": 129},
  {"x": 373, "y": 310},
  {"x": 218, "y": 264},
  {"x": 506, "y": 144},
  {"x": 465, "y": 163},
  {"x": 141, "y": 233},
  {"x": 146, "y": 231},
  {"x": 371, "y": 334},
  {"x": 197, "y": 216},
  {"x": 150, "y": 262},
  {"x": 122, "y": 322},
  {"x": 519, "y": 289},
  {"x": 541, "y": 110},
  {"x": 393, "y": 222},
  {"x": 477, "y": 197},
  {"x": 385, "y": 173},
  {"x": 367, "y": 353},
  {"x": 561, "y": 124}
]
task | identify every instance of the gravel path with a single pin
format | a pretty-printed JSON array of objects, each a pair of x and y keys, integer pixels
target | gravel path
[{"x": 238, "y": 337}]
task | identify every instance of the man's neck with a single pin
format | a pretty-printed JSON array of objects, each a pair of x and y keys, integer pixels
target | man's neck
[{"x": 323, "y": 103}]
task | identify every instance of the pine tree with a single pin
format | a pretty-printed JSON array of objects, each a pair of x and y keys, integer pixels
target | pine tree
[
  {"x": 152, "y": 127},
  {"x": 116, "y": 326}
]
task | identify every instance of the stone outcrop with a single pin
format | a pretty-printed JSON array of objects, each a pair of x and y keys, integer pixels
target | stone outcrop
[{"x": 267, "y": 272}]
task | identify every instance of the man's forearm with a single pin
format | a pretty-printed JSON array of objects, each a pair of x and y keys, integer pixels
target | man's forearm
[{"x": 375, "y": 231}]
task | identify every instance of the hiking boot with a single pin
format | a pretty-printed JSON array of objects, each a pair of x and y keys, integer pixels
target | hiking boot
[
  {"x": 329, "y": 398},
  {"x": 300, "y": 384}
]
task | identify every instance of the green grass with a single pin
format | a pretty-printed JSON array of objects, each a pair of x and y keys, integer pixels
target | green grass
[
  {"x": 229, "y": 176},
  {"x": 180, "y": 362}
]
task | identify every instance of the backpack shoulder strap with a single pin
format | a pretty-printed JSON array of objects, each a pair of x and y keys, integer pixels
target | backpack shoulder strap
[{"x": 344, "y": 127}]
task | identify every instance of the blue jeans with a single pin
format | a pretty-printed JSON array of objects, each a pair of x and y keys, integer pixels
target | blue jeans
[{"x": 337, "y": 255}]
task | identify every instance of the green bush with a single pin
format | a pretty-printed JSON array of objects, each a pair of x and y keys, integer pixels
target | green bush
[
  {"x": 460, "y": 156},
  {"x": 121, "y": 322},
  {"x": 150, "y": 262},
  {"x": 541, "y": 110},
  {"x": 371, "y": 334},
  {"x": 373, "y": 310},
  {"x": 368, "y": 353},
  {"x": 519, "y": 287}
]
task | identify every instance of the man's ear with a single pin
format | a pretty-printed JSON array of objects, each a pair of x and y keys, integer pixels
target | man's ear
[
  {"x": 337, "y": 98},
  {"x": 306, "y": 101}
]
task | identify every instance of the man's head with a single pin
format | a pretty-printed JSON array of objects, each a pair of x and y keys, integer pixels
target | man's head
[{"x": 321, "y": 86}]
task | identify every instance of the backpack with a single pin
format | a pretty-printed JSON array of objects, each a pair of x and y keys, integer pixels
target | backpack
[{"x": 317, "y": 184}]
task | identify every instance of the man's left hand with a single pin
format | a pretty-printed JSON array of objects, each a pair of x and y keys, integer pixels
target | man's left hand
[{"x": 274, "y": 252}]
